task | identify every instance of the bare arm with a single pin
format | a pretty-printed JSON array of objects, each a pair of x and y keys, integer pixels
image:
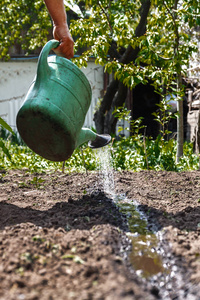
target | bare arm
[{"x": 60, "y": 31}]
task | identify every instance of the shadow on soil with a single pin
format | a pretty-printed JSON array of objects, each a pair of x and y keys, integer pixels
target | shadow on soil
[
  {"x": 74, "y": 214},
  {"x": 187, "y": 219},
  {"x": 93, "y": 210}
]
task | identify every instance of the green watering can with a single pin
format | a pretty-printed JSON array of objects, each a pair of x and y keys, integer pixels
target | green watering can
[{"x": 50, "y": 120}]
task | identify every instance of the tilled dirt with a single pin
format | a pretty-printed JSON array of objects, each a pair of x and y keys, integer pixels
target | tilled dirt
[{"x": 61, "y": 237}]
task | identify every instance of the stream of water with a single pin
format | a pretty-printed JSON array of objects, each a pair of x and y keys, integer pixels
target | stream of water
[{"x": 148, "y": 257}]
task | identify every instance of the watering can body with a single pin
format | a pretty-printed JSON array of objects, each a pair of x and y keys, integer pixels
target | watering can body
[{"x": 51, "y": 118}]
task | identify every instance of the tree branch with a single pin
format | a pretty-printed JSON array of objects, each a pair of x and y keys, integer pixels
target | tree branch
[
  {"x": 130, "y": 53},
  {"x": 107, "y": 18}
]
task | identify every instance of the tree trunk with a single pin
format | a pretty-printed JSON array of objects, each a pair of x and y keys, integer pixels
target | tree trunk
[
  {"x": 180, "y": 130},
  {"x": 116, "y": 92},
  {"x": 105, "y": 106}
]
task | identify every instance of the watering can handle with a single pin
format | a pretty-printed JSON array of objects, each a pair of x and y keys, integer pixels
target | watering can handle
[{"x": 43, "y": 67}]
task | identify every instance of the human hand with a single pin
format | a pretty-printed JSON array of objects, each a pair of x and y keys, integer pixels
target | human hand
[{"x": 66, "y": 47}]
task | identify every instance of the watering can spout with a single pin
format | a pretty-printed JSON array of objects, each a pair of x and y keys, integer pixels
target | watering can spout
[
  {"x": 94, "y": 140},
  {"x": 85, "y": 135}
]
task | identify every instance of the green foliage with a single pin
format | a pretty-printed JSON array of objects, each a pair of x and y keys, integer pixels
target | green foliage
[
  {"x": 3, "y": 128},
  {"x": 11, "y": 136},
  {"x": 131, "y": 154},
  {"x": 5, "y": 149},
  {"x": 122, "y": 113},
  {"x": 163, "y": 116},
  {"x": 21, "y": 157},
  {"x": 140, "y": 153},
  {"x": 165, "y": 49},
  {"x": 127, "y": 154},
  {"x": 23, "y": 23},
  {"x": 5, "y": 125},
  {"x": 169, "y": 28},
  {"x": 134, "y": 153}
]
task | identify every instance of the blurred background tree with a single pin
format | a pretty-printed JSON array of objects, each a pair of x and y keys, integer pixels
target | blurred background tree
[{"x": 25, "y": 26}]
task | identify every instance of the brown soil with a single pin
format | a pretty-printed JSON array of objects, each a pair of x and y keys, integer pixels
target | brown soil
[{"x": 61, "y": 237}]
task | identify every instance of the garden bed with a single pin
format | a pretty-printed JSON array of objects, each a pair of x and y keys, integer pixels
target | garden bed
[{"x": 61, "y": 237}]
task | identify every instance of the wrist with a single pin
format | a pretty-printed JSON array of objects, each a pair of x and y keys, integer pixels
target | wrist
[{"x": 61, "y": 25}]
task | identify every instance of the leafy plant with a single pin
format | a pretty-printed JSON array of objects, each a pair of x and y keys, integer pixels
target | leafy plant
[
  {"x": 37, "y": 181},
  {"x": 128, "y": 154},
  {"x": 122, "y": 113},
  {"x": 5, "y": 125},
  {"x": 163, "y": 116}
]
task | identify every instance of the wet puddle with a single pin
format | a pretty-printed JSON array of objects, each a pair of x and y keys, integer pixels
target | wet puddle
[{"x": 145, "y": 257}]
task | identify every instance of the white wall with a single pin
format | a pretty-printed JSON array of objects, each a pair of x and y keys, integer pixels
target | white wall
[
  {"x": 16, "y": 77},
  {"x": 94, "y": 74}
]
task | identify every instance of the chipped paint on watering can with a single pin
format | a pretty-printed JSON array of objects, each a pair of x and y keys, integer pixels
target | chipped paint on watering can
[{"x": 50, "y": 120}]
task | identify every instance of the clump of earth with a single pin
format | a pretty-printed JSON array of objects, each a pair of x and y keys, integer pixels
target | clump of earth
[{"x": 62, "y": 237}]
